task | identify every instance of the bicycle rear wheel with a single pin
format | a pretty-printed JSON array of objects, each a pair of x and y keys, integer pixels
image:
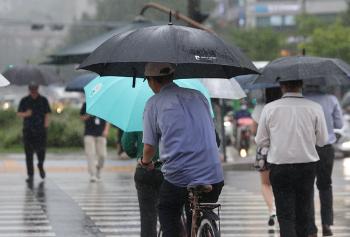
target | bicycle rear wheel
[{"x": 208, "y": 228}]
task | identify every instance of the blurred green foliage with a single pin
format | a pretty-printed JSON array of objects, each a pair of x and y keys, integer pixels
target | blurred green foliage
[{"x": 65, "y": 130}]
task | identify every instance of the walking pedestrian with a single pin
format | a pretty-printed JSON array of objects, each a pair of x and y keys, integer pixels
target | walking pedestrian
[
  {"x": 147, "y": 183},
  {"x": 291, "y": 127},
  {"x": 34, "y": 109},
  {"x": 95, "y": 143},
  {"x": 179, "y": 121},
  {"x": 271, "y": 94},
  {"x": 333, "y": 115}
]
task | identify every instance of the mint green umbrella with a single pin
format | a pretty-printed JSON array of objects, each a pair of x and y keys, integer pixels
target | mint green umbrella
[{"x": 114, "y": 100}]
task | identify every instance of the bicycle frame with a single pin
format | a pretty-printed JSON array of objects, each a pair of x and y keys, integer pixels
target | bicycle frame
[{"x": 201, "y": 210}]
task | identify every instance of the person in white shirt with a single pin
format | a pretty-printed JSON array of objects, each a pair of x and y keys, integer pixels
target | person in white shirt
[
  {"x": 291, "y": 127},
  {"x": 271, "y": 94}
]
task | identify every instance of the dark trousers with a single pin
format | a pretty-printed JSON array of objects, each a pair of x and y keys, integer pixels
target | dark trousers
[
  {"x": 292, "y": 186},
  {"x": 324, "y": 185},
  {"x": 171, "y": 203},
  {"x": 34, "y": 142},
  {"x": 148, "y": 185}
]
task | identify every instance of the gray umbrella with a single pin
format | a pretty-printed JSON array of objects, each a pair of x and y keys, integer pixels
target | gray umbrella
[
  {"x": 196, "y": 54},
  {"x": 314, "y": 70},
  {"x": 78, "y": 52},
  {"x": 26, "y": 74},
  {"x": 78, "y": 83}
]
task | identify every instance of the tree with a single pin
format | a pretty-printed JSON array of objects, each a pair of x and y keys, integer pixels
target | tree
[
  {"x": 306, "y": 24},
  {"x": 259, "y": 44},
  {"x": 332, "y": 41}
]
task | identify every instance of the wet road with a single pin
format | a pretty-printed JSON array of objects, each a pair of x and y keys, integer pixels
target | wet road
[{"x": 66, "y": 204}]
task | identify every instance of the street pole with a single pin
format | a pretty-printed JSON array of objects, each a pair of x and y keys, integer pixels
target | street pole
[
  {"x": 222, "y": 120},
  {"x": 193, "y": 7}
]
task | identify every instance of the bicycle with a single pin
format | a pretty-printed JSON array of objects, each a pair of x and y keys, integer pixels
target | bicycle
[{"x": 204, "y": 219}]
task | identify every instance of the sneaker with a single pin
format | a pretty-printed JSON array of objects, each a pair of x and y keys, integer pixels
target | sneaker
[
  {"x": 272, "y": 220},
  {"x": 93, "y": 179},
  {"x": 326, "y": 230},
  {"x": 41, "y": 171}
]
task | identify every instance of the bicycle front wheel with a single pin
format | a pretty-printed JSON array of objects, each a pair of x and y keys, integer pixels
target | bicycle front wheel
[{"x": 208, "y": 228}]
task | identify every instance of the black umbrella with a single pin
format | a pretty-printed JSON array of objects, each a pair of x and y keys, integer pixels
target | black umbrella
[
  {"x": 78, "y": 52},
  {"x": 247, "y": 82},
  {"x": 196, "y": 54},
  {"x": 26, "y": 74},
  {"x": 79, "y": 82},
  {"x": 314, "y": 70}
]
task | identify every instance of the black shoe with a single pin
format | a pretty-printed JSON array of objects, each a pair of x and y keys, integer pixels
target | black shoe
[
  {"x": 272, "y": 220},
  {"x": 41, "y": 171},
  {"x": 326, "y": 230},
  {"x": 30, "y": 179}
]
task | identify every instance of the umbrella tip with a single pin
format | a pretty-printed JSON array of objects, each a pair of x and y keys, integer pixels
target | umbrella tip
[{"x": 170, "y": 20}]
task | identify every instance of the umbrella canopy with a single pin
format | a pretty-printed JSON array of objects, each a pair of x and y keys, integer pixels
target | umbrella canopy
[
  {"x": 114, "y": 100},
  {"x": 247, "y": 82},
  {"x": 78, "y": 52},
  {"x": 314, "y": 70},
  {"x": 3, "y": 81},
  {"x": 196, "y": 54},
  {"x": 79, "y": 82},
  {"x": 223, "y": 89},
  {"x": 26, "y": 74}
]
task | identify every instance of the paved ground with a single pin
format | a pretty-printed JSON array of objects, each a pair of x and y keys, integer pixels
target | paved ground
[{"x": 66, "y": 204}]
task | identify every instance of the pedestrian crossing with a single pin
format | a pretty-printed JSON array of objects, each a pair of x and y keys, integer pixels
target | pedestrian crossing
[
  {"x": 115, "y": 212},
  {"x": 21, "y": 213},
  {"x": 110, "y": 208}
]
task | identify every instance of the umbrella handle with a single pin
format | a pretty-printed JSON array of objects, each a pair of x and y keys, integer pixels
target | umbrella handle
[
  {"x": 134, "y": 77},
  {"x": 170, "y": 18}
]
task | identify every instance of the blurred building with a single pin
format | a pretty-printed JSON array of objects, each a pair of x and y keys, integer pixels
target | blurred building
[
  {"x": 30, "y": 28},
  {"x": 275, "y": 13}
]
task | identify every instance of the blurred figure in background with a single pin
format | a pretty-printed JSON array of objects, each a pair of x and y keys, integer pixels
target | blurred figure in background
[
  {"x": 34, "y": 109},
  {"x": 271, "y": 94},
  {"x": 95, "y": 143},
  {"x": 244, "y": 125},
  {"x": 334, "y": 119},
  {"x": 147, "y": 183}
]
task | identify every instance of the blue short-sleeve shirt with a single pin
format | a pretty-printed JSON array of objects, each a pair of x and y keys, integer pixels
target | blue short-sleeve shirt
[{"x": 178, "y": 120}]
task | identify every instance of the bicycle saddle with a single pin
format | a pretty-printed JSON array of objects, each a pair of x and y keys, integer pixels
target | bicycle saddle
[{"x": 201, "y": 188}]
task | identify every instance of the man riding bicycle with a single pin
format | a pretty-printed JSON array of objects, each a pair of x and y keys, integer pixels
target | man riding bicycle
[{"x": 178, "y": 120}]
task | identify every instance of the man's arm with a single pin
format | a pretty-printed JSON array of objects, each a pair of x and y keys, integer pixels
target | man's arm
[
  {"x": 23, "y": 111},
  {"x": 106, "y": 130},
  {"x": 46, "y": 120},
  {"x": 337, "y": 115},
  {"x": 148, "y": 153},
  {"x": 262, "y": 138},
  {"x": 321, "y": 129},
  {"x": 25, "y": 114}
]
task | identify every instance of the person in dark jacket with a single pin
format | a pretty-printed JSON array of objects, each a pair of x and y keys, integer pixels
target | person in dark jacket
[
  {"x": 34, "y": 109},
  {"x": 147, "y": 184}
]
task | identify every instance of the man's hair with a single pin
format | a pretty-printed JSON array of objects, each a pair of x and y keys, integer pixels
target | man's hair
[
  {"x": 272, "y": 94},
  {"x": 292, "y": 84},
  {"x": 162, "y": 79}
]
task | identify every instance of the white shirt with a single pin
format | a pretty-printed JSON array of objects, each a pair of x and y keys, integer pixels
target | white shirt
[
  {"x": 291, "y": 127},
  {"x": 257, "y": 112}
]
